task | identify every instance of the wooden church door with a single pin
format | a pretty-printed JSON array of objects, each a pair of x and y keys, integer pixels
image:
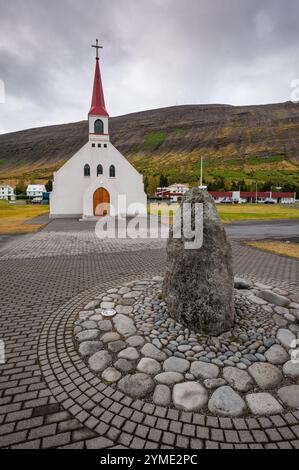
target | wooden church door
[{"x": 101, "y": 202}]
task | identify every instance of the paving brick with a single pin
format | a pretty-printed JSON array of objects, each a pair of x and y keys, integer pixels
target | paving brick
[
  {"x": 13, "y": 438},
  {"x": 176, "y": 427},
  {"x": 6, "y": 429},
  {"x": 277, "y": 421},
  {"x": 18, "y": 416},
  {"x": 30, "y": 445},
  {"x": 186, "y": 417},
  {"x": 286, "y": 433},
  {"x": 46, "y": 410},
  {"x": 231, "y": 436},
  {"x": 118, "y": 421},
  {"x": 260, "y": 436},
  {"x": 151, "y": 445},
  {"x": 199, "y": 419},
  {"x": 255, "y": 446},
  {"x": 203, "y": 432},
  {"x": 189, "y": 430},
  {"x": 212, "y": 445},
  {"x": 226, "y": 446},
  {"x": 273, "y": 435},
  {"x": 69, "y": 425},
  {"x": 47, "y": 430},
  {"x": 57, "y": 417},
  {"x": 271, "y": 445},
  {"x": 155, "y": 435},
  {"x": 196, "y": 444},
  {"x": 25, "y": 396},
  {"x": 162, "y": 424},
  {"x": 173, "y": 415},
  {"x": 168, "y": 438},
  {"x": 246, "y": 436},
  {"x": 295, "y": 430},
  {"x": 102, "y": 429},
  {"x": 212, "y": 422},
  {"x": 137, "y": 443},
  {"x": 226, "y": 423},
  {"x": 182, "y": 442},
  {"x": 290, "y": 418},
  {"x": 150, "y": 421},
  {"x": 141, "y": 431},
  {"x": 56, "y": 441},
  {"x": 284, "y": 445},
  {"x": 29, "y": 423},
  {"x": 82, "y": 434},
  {"x": 266, "y": 422},
  {"x": 5, "y": 409},
  {"x": 129, "y": 427},
  {"x": 75, "y": 445},
  {"x": 125, "y": 439},
  {"x": 217, "y": 435},
  {"x": 113, "y": 433}
]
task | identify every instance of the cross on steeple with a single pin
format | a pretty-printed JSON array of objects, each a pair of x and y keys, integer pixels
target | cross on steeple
[{"x": 97, "y": 47}]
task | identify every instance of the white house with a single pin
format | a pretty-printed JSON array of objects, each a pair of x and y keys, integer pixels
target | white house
[
  {"x": 173, "y": 192},
  {"x": 36, "y": 190},
  {"x": 98, "y": 180},
  {"x": 7, "y": 193}
]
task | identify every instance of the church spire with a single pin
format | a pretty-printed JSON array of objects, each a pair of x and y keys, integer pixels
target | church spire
[{"x": 98, "y": 107}]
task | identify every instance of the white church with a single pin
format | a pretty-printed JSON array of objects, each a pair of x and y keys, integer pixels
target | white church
[{"x": 98, "y": 180}]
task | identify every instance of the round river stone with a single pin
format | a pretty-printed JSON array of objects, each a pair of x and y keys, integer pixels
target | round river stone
[{"x": 137, "y": 385}]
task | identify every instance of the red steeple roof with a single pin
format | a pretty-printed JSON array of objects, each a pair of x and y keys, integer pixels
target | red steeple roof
[{"x": 98, "y": 107}]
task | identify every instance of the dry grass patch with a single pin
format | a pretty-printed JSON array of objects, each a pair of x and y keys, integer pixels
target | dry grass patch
[
  {"x": 14, "y": 216},
  {"x": 279, "y": 248}
]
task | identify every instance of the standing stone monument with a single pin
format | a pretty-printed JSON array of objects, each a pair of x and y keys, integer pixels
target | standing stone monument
[{"x": 199, "y": 283}]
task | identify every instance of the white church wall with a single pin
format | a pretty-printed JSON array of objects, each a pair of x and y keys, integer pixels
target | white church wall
[
  {"x": 69, "y": 185},
  {"x": 73, "y": 193}
]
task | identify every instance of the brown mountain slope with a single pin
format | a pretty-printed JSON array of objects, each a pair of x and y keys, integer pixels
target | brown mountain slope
[{"x": 170, "y": 141}]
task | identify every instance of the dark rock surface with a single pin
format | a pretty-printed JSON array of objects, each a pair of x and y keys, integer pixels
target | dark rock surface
[{"x": 198, "y": 286}]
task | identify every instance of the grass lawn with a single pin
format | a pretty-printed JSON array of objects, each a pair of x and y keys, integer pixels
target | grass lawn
[
  {"x": 14, "y": 216},
  {"x": 239, "y": 212},
  {"x": 277, "y": 247}
]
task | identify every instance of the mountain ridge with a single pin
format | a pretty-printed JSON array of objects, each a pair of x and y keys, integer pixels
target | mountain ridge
[{"x": 234, "y": 140}]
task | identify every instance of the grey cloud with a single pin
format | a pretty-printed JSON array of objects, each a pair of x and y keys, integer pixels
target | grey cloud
[{"x": 157, "y": 53}]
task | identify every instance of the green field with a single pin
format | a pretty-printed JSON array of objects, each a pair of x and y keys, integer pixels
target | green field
[{"x": 239, "y": 212}]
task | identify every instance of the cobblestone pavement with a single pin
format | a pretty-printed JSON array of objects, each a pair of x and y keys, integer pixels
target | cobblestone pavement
[
  {"x": 42, "y": 407},
  {"x": 70, "y": 238}
]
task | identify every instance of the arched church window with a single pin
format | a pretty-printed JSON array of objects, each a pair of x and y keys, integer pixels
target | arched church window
[
  {"x": 87, "y": 170},
  {"x": 112, "y": 171},
  {"x": 99, "y": 170},
  {"x": 99, "y": 127}
]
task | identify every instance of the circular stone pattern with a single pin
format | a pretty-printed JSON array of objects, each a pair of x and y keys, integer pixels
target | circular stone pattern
[{"x": 145, "y": 354}]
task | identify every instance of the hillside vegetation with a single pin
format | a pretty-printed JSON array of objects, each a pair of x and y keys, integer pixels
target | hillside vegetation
[{"x": 240, "y": 146}]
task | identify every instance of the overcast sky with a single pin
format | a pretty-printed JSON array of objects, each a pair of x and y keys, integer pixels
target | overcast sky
[{"x": 156, "y": 53}]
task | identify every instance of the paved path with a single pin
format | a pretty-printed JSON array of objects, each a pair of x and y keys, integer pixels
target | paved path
[
  {"x": 40, "y": 293},
  {"x": 257, "y": 230}
]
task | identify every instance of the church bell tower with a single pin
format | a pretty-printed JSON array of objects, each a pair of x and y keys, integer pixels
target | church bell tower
[{"x": 98, "y": 116}]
